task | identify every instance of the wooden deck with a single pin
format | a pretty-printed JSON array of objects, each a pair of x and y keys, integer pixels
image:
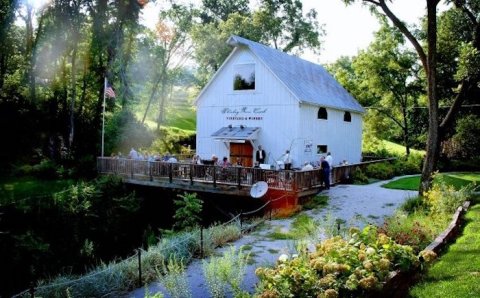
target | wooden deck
[
  {"x": 209, "y": 178},
  {"x": 215, "y": 179}
]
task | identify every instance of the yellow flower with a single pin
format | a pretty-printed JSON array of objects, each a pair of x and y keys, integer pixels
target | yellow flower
[
  {"x": 368, "y": 283},
  {"x": 428, "y": 255},
  {"x": 384, "y": 264}
]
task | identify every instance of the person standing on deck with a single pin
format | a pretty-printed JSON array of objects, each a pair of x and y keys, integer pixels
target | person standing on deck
[
  {"x": 260, "y": 155},
  {"x": 329, "y": 159},
  {"x": 287, "y": 160},
  {"x": 325, "y": 172}
]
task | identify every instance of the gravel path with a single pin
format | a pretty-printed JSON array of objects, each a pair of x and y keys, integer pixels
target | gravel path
[{"x": 358, "y": 204}]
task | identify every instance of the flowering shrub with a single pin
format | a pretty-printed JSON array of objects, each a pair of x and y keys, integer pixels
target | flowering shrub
[
  {"x": 339, "y": 267},
  {"x": 445, "y": 199},
  {"x": 416, "y": 231}
]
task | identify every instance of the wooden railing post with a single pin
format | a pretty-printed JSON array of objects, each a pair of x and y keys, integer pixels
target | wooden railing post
[
  {"x": 132, "y": 166},
  {"x": 239, "y": 178},
  {"x": 214, "y": 176},
  {"x": 192, "y": 167},
  {"x": 170, "y": 172}
]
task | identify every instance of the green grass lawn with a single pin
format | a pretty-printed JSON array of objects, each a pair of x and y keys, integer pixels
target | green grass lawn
[
  {"x": 15, "y": 188},
  {"x": 457, "y": 272},
  {"x": 458, "y": 180},
  {"x": 396, "y": 149}
]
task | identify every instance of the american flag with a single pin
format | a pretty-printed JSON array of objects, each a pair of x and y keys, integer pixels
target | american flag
[{"x": 109, "y": 91}]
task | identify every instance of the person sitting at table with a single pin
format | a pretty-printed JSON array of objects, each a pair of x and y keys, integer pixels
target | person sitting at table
[
  {"x": 307, "y": 167},
  {"x": 225, "y": 163}
]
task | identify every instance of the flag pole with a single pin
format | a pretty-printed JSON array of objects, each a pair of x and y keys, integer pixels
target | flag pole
[{"x": 103, "y": 115}]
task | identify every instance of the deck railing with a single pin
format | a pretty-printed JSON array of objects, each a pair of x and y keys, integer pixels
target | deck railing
[
  {"x": 217, "y": 175},
  {"x": 212, "y": 174}
]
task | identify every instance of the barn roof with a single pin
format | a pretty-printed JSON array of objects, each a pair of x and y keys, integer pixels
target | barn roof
[{"x": 308, "y": 81}]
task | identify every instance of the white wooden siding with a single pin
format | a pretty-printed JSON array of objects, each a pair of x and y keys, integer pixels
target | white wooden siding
[{"x": 286, "y": 124}]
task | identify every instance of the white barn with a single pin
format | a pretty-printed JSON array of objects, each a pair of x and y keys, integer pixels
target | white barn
[{"x": 262, "y": 96}]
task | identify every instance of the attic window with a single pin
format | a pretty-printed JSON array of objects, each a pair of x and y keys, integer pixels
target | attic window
[
  {"x": 322, "y": 114},
  {"x": 244, "y": 77},
  {"x": 347, "y": 117}
]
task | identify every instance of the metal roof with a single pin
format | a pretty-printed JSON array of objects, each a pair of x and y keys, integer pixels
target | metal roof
[
  {"x": 308, "y": 81},
  {"x": 236, "y": 133}
]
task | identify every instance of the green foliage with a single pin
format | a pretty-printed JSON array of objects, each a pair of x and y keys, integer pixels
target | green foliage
[
  {"x": 411, "y": 164},
  {"x": 339, "y": 267},
  {"x": 171, "y": 140},
  {"x": 466, "y": 137},
  {"x": 469, "y": 62},
  {"x": 188, "y": 210},
  {"x": 46, "y": 169},
  {"x": 413, "y": 204},
  {"x": 18, "y": 188},
  {"x": 359, "y": 177},
  {"x": 225, "y": 271},
  {"x": 443, "y": 198},
  {"x": 123, "y": 131},
  {"x": 174, "y": 278},
  {"x": 455, "y": 274},
  {"x": 416, "y": 229},
  {"x": 382, "y": 171},
  {"x": 317, "y": 201},
  {"x": 76, "y": 199}
]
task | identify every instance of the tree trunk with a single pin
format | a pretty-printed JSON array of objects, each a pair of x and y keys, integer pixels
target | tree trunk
[
  {"x": 161, "y": 107},
  {"x": 152, "y": 96},
  {"x": 72, "y": 100},
  {"x": 406, "y": 140},
  {"x": 433, "y": 144}
]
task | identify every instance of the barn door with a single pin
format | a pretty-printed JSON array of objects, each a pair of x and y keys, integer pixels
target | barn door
[{"x": 244, "y": 151}]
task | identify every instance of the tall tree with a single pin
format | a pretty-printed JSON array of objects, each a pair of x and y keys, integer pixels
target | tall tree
[
  {"x": 280, "y": 23},
  {"x": 387, "y": 74},
  {"x": 428, "y": 57},
  {"x": 213, "y": 11}
]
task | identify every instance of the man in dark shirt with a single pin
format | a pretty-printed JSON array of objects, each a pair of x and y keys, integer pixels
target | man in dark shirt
[
  {"x": 260, "y": 155},
  {"x": 325, "y": 172}
]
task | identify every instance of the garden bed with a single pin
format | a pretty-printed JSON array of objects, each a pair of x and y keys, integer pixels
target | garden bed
[{"x": 400, "y": 282}]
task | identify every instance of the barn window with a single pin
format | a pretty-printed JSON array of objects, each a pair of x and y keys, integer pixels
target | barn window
[
  {"x": 347, "y": 117},
  {"x": 321, "y": 149},
  {"x": 322, "y": 113},
  {"x": 244, "y": 77}
]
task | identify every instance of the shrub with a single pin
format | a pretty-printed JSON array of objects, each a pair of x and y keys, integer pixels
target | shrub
[
  {"x": 225, "y": 271},
  {"x": 188, "y": 211},
  {"x": 409, "y": 165},
  {"x": 359, "y": 177},
  {"x": 339, "y": 267},
  {"x": 415, "y": 231},
  {"x": 444, "y": 199},
  {"x": 382, "y": 171},
  {"x": 219, "y": 235},
  {"x": 46, "y": 169},
  {"x": 413, "y": 204},
  {"x": 174, "y": 278}
]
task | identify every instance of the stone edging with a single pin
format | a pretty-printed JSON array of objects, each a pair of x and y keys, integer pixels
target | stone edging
[
  {"x": 399, "y": 282},
  {"x": 451, "y": 231}
]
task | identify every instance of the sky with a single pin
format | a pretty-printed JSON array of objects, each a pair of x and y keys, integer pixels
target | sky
[{"x": 348, "y": 28}]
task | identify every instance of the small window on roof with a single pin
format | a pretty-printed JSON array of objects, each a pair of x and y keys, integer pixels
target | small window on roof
[
  {"x": 347, "y": 117},
  {"x": 244, "y": 77},
  {"x": 322, "y": 113}
]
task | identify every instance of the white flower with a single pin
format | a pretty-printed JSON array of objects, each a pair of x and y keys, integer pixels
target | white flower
[
  {"x": 283, "y": 258},
  {"x": 294, "y": 256},
  {"x": 370, "y": 251}
]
